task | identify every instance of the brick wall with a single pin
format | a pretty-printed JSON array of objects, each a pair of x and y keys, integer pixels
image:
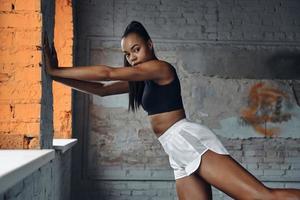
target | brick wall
[
  {"x": 20, "y": 79},
  {"x": 20, "y": 75},
  {"x": 63, "y": 39},
  {"x": 51, "y": 181},
  {"x": 26, "y": 100},
  {"x": 245, "y": 20},
  {"x": 122, "y": 155}
]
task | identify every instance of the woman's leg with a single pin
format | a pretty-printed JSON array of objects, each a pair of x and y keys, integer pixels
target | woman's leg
[
  {"x": 193, "y": 187},
  {"x": 223, "y": 172},
  {"x": 286, "y": 193}
]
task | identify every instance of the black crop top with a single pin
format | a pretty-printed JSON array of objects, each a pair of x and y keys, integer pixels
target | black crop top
[{"x": 162, "y": 98}]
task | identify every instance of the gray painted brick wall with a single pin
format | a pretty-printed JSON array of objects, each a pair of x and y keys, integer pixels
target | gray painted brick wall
[
  {"x": 46, "y": 125},
  {"x": 244, "y": 20},
  {"x": 275, "y": 162},
  {"x": 123, "y": 154},
  {"x": 35, "y": 186},
  {"x": 50, "y": 182}
]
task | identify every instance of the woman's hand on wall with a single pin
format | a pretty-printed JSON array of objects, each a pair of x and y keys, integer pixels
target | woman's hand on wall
[{"x": 50, "y": 56}]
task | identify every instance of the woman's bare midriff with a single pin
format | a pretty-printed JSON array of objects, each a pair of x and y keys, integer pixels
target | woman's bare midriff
[{"x": 162, "y": 121}]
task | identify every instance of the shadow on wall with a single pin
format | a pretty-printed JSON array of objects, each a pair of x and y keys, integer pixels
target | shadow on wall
[
  {"x": 237, "y": 62},
  {"x": 250, "y": 63},
  {"x": 284, "y": 65}
]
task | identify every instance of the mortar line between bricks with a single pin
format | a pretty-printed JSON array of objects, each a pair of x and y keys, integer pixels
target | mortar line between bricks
[
  {"x": 171, "y": 180},
  {"x": 180, "y": 41},
  {"x": 143, "y": 179}
]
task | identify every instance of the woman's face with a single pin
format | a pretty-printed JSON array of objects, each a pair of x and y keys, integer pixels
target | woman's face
[{"x": 136, "y": 50}]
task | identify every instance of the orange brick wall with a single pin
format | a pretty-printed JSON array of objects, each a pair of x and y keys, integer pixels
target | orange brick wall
[
  {"x": 63, "y": 39},
  {"x": 20, "y": 79},
  {"x": 20, "y": 74}
]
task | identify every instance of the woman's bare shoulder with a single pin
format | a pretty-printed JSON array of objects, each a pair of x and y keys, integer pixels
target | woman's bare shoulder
[{"x": 162, "y": 65}]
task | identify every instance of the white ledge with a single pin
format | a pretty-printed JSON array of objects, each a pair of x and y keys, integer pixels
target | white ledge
[
  {"x": 63, "y": 144},
  {"x": 18, "y": 164}
]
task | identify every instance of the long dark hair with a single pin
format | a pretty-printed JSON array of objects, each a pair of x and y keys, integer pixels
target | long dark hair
[{"x": 136, "y": 88}]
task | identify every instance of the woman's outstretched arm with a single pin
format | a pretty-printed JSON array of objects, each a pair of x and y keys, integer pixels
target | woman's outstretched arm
[
  {"x": 150, "y": 70},
  {"x": 85, "y": 73},
  {"x": 147, "y": 71},
  {"x": 95, "y": 88}
]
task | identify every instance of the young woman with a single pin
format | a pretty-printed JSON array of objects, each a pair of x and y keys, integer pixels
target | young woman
[{"x": 154, "y": 84}]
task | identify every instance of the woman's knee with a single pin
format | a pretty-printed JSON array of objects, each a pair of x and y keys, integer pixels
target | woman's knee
[
  {"x": 266, "y": 194},
  {"x": 261, "y": 194},
  {"x": 285, "y": 194}
]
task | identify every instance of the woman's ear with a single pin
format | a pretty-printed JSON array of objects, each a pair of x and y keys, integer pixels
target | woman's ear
[{"x": 150, "y": 44}]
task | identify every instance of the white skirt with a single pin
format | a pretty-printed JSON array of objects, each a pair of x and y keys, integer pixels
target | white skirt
[{"x": 185, "y": 142}]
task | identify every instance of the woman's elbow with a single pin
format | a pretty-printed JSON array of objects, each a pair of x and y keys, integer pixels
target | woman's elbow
[
  {"x": 103, "y": 74},
  {"x": 110, "y": 74}
]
